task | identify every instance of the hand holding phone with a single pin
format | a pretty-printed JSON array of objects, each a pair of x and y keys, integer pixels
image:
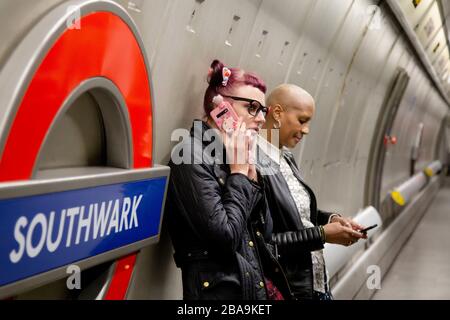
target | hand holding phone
[
  {"x": 368, "y": 228},
  {"x": 224, "y": 115}
]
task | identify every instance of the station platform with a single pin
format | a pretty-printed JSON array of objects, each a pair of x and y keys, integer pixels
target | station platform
[{"x": 422, "y": 269}]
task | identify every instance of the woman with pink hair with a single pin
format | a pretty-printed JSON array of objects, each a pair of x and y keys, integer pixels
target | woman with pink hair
[{"x": 216, "y": 210}]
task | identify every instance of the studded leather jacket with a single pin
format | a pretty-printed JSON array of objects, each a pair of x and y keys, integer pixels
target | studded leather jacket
[
  {"x": 293, "y": 241},
  {"x": 219, "y": 225}
]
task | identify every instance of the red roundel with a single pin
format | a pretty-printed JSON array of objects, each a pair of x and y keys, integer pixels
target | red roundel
[{"x": 104, "y": 46}]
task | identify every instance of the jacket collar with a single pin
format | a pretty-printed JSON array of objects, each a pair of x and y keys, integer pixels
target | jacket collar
[
  {"x": 269, "y": 162},
  {"x": 272, "y": 151},
  {"x": 269, "y": 159},
  {"x": 199, "y": 127},
  {"x": 269, "y": 149}
]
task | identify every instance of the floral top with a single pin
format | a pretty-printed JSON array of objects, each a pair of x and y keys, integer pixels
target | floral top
[{"x": 302, "y": 202}]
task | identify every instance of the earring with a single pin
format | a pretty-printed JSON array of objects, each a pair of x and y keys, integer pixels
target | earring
[{"x": 277, "y": 125}]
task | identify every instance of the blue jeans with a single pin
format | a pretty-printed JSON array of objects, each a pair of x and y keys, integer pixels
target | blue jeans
[{"x": 322, "y": 296}]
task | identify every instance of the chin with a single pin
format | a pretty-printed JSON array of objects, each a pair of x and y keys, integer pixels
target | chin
[
  {"x": 291, "y": 145},
  {"x": 295, "y": 143}
]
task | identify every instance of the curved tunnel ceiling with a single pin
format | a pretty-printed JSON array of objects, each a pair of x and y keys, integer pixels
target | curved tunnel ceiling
[{"x": 427, "y": 24}]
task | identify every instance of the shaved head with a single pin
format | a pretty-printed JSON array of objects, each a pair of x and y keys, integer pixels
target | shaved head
[
  {"x": 290, "y": 96},
  {"x": 291, "y": 111}
]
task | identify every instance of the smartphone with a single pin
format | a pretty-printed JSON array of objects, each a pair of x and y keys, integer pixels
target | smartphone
[
  {"x": 368, "y": 228},
  {"x": 225, "y": 117}
]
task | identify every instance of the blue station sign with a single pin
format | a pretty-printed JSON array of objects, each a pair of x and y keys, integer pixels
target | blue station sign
[{"x": 43, "y": 232}]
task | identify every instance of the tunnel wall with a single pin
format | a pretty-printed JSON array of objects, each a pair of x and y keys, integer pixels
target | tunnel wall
[{"x": 344, "y": 52}]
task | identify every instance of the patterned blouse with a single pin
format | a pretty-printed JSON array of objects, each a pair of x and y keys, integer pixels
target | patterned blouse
[{"x": 302, "y": 201}]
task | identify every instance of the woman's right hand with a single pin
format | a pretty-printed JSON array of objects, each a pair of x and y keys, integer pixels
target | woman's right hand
[
  {"x": 337, "y": 233},
  {"x": 237, "y": 144}
]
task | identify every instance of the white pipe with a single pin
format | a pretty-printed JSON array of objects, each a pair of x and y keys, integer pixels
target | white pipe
[
  {"x": 336, "y": 256},
  {"x": 404, "y": 193},
  {"x": 433, "y": 168}
]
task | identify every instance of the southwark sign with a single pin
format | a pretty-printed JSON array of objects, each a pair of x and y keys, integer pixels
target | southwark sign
[{"x": 49, "y": 230}]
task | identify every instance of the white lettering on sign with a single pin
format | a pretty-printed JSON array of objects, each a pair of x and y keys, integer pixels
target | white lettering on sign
[{"x": 83, "y": 223}]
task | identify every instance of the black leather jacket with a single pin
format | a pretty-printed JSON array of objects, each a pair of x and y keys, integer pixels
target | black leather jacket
[
  {"x": 294, "y": 242},
  {"x": 219, "y": 224}
]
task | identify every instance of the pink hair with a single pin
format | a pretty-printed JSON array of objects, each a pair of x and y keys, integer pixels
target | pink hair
[{"x": 238, "y": 78}]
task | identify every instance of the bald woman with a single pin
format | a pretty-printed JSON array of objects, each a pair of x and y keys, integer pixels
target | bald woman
[{"x": 300, "y": 229}]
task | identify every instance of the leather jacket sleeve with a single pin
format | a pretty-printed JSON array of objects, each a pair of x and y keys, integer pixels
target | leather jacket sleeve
[
  {"x": 323, "y": 217},
  {"x": 216, "y": 213},
  {"x": 292, "y": 242}
]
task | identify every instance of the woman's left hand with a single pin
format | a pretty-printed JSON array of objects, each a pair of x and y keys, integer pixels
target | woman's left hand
[{"x": 347, "y": 222}]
